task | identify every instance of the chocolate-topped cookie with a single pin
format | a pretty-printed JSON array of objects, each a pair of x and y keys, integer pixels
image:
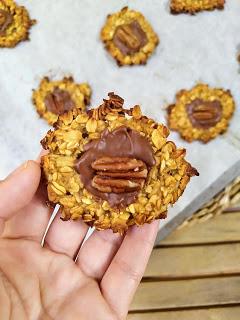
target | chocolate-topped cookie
[
  {"x": 128, "y": 37},
  {"x": 53, "y": 98},
  {"x": 113, "y": 167},
  {"x": 194, "y": 6},
  {"x": 201, "y": 113},
  {"x": 14, "y": 23}
]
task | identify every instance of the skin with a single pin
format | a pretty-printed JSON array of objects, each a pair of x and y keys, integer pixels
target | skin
[{"x": 47, "y": 282}]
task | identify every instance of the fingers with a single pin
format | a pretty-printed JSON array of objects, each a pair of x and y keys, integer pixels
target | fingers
[
  {"x": 97, "y": 253},
  {"x": 126, "y": 270},
  {"x": 18, "y": 189},
  {"x": 32, "y": 220},
  {"x": 65, "y": 236}
]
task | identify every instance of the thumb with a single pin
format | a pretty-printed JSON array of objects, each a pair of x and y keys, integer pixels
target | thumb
[{"x": 17, "y": 190}]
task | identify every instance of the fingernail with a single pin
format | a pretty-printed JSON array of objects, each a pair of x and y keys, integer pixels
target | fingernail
[
  {"x": 20, "y": 168},
  {"x": 25, "y": 165}
]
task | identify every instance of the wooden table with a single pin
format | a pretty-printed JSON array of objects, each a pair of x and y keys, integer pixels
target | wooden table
[{"x": 193, "y": 274}]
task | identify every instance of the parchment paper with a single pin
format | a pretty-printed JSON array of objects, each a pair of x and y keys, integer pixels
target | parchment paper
[{"x": 65, "y": 41}]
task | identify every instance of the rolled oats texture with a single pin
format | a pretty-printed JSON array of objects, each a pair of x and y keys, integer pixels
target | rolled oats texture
[
  {"x": 166, "y": 179},
  {"x": 120, "y": 25},
  {"x": 78, "y": 93},
  {"x": 194, "y": 6},
  {"x": 211, "y": 112},
  {"x": 184, "y": 57},
  {"x": 15, "y": 24}
]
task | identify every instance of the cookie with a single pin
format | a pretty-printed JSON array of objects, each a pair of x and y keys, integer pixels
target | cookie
[
  {"x": 194, "y": 6},
  {"x": 113, "y": 167},
  {"x": 238, "y": 57},
  {"x": 14, "y": 24},
  {"x": 129, "y": 37},
  {"x": 201, "y": 113},
  {"x": 53, "y": 98}
]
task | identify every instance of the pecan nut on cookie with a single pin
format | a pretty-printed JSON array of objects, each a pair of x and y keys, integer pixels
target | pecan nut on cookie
[
  {"x": 113, "y": 167},
  {"x": 129, "y": 37},
  {"x": 238, "y": 56},
  {"x": 14, "y": 23},
  {"x": 193, "y": 6},
  {"x": 53, "y": 98},
  {"x": 201, "y": 113}
]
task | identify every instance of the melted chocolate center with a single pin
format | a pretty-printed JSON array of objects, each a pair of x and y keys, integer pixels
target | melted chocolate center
[
  {"x": 204, "y": 114},
  {"x": 121, "y": 142},
  {"x": 129, "y": 38},
  {"x": 5, "y": 20},
  {"x": 59, "y": 101}
]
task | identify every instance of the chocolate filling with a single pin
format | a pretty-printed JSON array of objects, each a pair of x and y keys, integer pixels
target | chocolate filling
[
  {"x": 204, "y": 114},
  {"x": 58, "y": 101},
  {"x": 5, "y": 20},
  {"x": 122, "y": 142},
  {"x": 130, "y": 38}
]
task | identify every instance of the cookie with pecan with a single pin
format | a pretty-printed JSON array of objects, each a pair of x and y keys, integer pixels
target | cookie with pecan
[
  {"x": 238, "y": 57},
  {"x": 14, "y": 24},
  {"x": 53, "y": 98},
  {"x": 129, "y": 37},
  {"x": 113, "y": 167},
  {"x": 194, "y": 6},
  {"x": 201, "y": 113}
]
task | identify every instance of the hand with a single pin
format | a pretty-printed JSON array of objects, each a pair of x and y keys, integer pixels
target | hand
[{"x": 44, "y": 282}]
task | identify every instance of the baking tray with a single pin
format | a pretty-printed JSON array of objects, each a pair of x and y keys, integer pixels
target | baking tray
[{"x": 65, "y": 41}]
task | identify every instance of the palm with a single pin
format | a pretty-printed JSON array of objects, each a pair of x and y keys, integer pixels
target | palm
[
  {"x": 45, "y": 282},
  {"x": 52, "y": 285}
]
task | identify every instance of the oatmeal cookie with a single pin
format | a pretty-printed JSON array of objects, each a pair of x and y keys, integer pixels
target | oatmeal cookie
[
  {"x": 53, "y": 98},
  {"x": 113, "y": 167},
  {"x": 129, "y": 37},
  {"x": 201, "y": 113},
  {"x": 14, "y": 24},
  {"x": 193, "y": 6},
  {"x": 238, "y": 57}
]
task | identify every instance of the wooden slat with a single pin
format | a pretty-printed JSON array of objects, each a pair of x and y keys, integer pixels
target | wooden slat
[
  {"x": 223, "y": 228},
  {"x": 196, "y": 261},
  {"x": 230, "y": 313},
  {"x": 187, "y": 293}
]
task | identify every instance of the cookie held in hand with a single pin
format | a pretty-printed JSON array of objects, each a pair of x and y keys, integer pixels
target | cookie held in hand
[
  {"x": 201, "y": 113},
  {"x": 53, "y": 98},
  {"x": 14, "y": 24},
  {"x": 129, "y": 37},
  {"x": 113, "y": 167},
  {"x": 194, "y": 6}
]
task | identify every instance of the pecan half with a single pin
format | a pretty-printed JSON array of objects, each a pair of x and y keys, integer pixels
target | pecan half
[
  {"x": 119, "y": 174},
  {"x": 129, "y": 38},
  {"x": 5, "y": 20},
  {"x": 204, "y": 114},
  {"x": 59, "y": 101}
]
